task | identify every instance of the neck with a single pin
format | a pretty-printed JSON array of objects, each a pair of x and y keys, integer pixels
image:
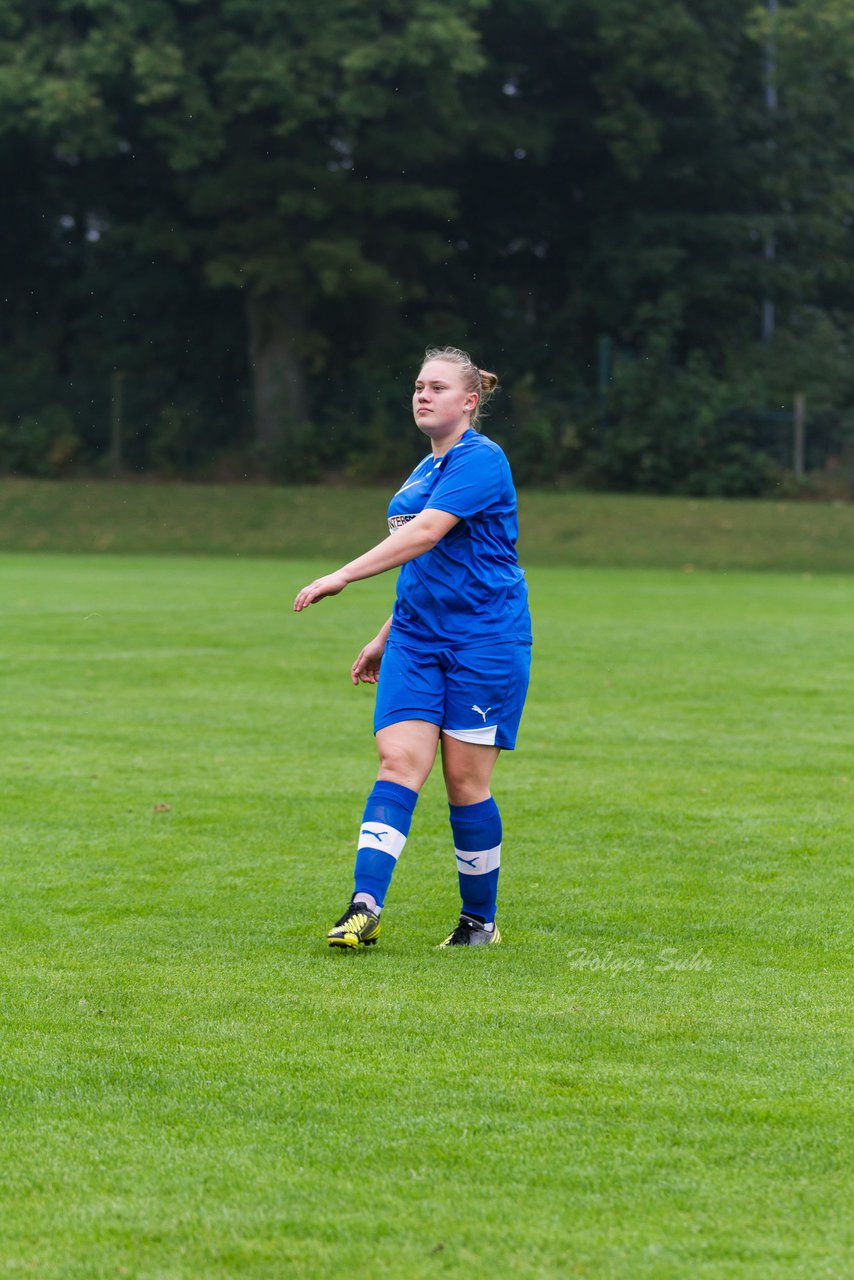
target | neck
[{"x": 441, "y": 447}]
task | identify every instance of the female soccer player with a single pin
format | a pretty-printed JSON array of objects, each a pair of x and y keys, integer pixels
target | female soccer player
[{"x": 452, "y": 661}]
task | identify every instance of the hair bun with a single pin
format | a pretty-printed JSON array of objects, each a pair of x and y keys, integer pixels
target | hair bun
[{"x": 488, "y": 380}]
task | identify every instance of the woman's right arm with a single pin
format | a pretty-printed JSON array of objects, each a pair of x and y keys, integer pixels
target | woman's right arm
[{"x": 367, "y": 666}]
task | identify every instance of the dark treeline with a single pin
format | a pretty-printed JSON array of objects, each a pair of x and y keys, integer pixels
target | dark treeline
[{"x": 230, "y": 227}]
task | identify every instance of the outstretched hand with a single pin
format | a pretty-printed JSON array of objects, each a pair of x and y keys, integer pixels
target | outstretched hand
[{"x": 330, "y": 585}]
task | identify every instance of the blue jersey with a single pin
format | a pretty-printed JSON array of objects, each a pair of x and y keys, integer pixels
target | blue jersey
[{"x": 469, "y": 588}]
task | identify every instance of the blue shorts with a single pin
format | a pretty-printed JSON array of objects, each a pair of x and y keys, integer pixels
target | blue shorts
[{"x": 476, "y": 694}]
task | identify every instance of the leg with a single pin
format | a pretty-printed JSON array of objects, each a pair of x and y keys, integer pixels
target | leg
[
  {"x": 467, "y": 767},
  {"x": 407, "y": 712},
  {"x": 484, "y": 697},
  {"x": 476, "y": 825},
  {"x": 407, "y": 751}
]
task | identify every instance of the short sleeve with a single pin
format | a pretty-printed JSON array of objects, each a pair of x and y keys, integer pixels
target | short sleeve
[{"x": 471, "y": 482}]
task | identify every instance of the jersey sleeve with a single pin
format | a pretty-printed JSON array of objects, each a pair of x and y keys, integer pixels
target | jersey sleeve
[{"x": 471, "y": 482}]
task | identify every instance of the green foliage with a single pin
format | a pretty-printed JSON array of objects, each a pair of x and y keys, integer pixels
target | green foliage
[
  {"x": 173, "y": 445},
  {"x": 39, "y": 444},
  {"x": 520, "y": 177},
  {"x": 543, "y": 437},
  {"x": 667, "y": 428}
]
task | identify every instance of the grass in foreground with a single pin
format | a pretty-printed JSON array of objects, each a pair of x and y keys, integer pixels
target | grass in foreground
[
  {"x": 648, "y": 1079},
  {"x": 338, "y": 524}
]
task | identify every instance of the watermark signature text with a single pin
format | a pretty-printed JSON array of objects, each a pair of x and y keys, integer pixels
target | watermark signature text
[{"x": 665, "y": 960}]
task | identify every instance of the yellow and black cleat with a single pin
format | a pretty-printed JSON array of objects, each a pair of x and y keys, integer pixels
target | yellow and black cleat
[{"x": 358, "y": 927}]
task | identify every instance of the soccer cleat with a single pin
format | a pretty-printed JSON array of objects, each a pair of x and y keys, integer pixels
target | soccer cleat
[
  {"x": 472, "y": 933},
  {"x": 358, "y": 927}
]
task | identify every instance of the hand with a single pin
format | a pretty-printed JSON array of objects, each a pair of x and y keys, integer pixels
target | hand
[
  {"x": 330, "y": 585},
  {"x": 367, "y": 666}
]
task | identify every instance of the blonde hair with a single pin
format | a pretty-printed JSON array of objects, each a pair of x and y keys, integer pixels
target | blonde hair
[{"x": 479, "y": 380}]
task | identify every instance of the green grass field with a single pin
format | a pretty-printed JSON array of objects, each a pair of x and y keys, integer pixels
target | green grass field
[
  {"x": 556, "y": 527},
  {"x": 650, "y": 1078}
]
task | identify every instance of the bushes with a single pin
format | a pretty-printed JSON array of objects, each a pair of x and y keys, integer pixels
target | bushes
[
  {"x": 538, "y": 430},
  {"x": 661, "y": 428},
  {"x": 664, "y": 429},
  {"x": 39, "y": 444}
]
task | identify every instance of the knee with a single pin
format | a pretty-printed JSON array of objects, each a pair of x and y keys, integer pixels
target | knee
[
  {"x": 466, "y": 787},
  {"x": 469, "y": 793},
  {"x": 398, "y": 764}
]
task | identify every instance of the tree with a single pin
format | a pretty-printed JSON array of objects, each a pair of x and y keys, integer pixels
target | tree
[
  {"x": 288, "y": 148},
  {"x": 340, "y": 184}
]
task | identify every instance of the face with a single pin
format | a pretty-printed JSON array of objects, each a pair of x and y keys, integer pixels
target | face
[{"x": 441, "y": 403}]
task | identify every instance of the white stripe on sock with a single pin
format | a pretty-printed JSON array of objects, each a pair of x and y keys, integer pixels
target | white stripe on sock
[
  {"x": 477, "y": 863},
  {"x": 379, "y": 835}
]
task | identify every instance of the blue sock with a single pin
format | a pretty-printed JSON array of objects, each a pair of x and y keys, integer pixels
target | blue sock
[
  {"x": 385, "y": 826},
  {"x": 477, "y": 844}
]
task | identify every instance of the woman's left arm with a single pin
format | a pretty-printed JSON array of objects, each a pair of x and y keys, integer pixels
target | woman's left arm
[{"x": 418, "y": 535}]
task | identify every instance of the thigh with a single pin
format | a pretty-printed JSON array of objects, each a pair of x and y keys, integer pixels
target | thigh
[
  {"x": 485, "y": 693},
  {"x": 411, "y": 687},
  {"x": 467, "y": 767}
]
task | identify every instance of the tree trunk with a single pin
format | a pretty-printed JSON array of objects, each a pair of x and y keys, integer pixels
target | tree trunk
[{"x": 278, "y": 379}]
